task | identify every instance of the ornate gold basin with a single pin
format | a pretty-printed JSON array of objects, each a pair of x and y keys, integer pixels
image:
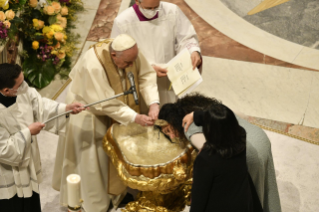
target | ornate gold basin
[{"x": 146, "y": 160}]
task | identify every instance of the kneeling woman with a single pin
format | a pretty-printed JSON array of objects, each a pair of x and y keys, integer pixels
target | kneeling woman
[
  {"x": 258, "y": 149},
  {"x": 221, "y": 179}
]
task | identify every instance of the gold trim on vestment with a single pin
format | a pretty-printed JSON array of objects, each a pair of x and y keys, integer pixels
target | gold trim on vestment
[{"x": 62, "y": 89}]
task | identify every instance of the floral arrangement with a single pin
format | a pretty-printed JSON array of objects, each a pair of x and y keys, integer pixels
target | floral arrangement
[{"x": 44, "y": 26}]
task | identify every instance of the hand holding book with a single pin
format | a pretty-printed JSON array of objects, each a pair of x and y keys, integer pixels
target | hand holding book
[{"x": 181, "y": 74}]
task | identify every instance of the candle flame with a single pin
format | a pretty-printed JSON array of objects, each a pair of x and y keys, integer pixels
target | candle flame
[{"x": 73, "y": 178}]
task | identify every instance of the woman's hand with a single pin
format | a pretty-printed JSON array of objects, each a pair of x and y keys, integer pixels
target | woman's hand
[{"x": 188, "y": 120}]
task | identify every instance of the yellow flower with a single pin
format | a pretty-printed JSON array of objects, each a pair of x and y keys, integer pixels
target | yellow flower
[
  {"x": 2, "y": 16},
  {"x": 49, "y": 10},
  {"x": 50, "y": 34},
  {"x": 10, "y": 14},
  {"x": 35, "y": 22},
  {"x": 40, "y": 24},
  {"x": 64, "y": 11},
  {"x": 56, "y": 28},
  {"x": 4, "y": 4},
  {"x": 54, "y": 52},
  {"x": 33, "y": 3},
  {"x": 61, "y": 20},
  {"x": 61, "y": 54},
  {"x": 59, "y": 36},
  {"x": 8, "y": 24},
  {"x": 46, "y": 30},
  {"x": 35, "y": 45},
  {"x": 56, "y": 6},
  {"x": 57, "y": 46}
]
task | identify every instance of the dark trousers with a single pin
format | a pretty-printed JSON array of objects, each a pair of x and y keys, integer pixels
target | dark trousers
[{"x": 17, "y": 204}]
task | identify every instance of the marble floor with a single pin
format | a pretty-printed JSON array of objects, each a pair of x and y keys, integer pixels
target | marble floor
[
  {"x": 271, "y": 79},
  {"x": 296, "y": 21}
]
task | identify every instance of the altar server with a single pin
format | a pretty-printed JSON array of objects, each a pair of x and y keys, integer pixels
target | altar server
[
  {"x": 102, "y": 73},
  {"x": 161, "y": 30},
  {"x": 22, "y": 112}
]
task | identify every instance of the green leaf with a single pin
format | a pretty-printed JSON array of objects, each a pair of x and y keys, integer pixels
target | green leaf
[
  {"x": 36, "y": 14},
  {"x": 38, "y": 73},
  {"x": 16, "y": 20},
  {"x": 52, "y": 19},
  {"x": 55, "y": 42},
  {"x": 22, "y": 2},
  {"x": 39, "y": 37}
]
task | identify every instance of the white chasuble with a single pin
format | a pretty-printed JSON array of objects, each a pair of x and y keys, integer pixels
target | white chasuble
[
  {"x": 20, "y": 165},
  {"x": 159, "y": 39},
  {"x": 81, "y": 151}
]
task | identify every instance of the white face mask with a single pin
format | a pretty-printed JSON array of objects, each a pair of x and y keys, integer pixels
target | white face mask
[
  {"x": 149, "y": 13},
  {"x": 21, "y": 90}
]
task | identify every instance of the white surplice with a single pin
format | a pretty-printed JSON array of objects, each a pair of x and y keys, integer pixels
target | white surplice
[
  {"x": 20, "y": 165},
  {"x": 81, "y": 150},
  {"x": 160, "y": 39}
]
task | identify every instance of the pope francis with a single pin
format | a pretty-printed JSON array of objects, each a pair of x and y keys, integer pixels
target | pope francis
[{"x": 102, "y": 73}]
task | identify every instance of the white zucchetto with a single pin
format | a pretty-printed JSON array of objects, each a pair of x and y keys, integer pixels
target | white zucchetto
[{"x": 123, "y": 42}]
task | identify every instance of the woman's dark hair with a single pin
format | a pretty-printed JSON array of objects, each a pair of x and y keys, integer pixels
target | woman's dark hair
[
  {"x": 174, "y": 116},
  {"x": 8, "y": 75},
  {"x": 174, "y": 113},
  {"x": 223, "y": 134}
]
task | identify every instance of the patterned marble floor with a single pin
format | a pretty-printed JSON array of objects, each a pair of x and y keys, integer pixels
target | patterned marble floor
[{"x": 295, "y": 21}]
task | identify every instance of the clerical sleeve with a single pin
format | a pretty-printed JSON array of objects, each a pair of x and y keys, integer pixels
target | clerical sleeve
[
  {"x": 115, "y": 30},
  {"x": 44, "y": 109},
  {"x": 147, "y": 81},
  {"x": 14, "y": 148},
  {"x": 185, "y": 34},
  {"x": 90, "y": 84}
]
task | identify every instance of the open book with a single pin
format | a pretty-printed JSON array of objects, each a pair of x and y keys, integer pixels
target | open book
[{"x": 181, "y": 74}]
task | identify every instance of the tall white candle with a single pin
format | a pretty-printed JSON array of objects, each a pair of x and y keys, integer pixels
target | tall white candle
[{"x": 74, "y": 192}]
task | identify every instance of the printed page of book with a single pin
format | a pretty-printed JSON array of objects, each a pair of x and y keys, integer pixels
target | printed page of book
[
  {"x": 191, "y": 88},
  {"x": 179, "y": 64},
  {"x": 181, "y": 73}
]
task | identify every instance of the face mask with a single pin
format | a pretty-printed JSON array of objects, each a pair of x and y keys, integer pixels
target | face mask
[
  {"x": 149, "y": 13},
  {"x": 21, "y": 90}
]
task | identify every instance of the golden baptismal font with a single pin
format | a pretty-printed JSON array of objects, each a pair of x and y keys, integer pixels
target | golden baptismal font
[{"x": 146, "y": 160}]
